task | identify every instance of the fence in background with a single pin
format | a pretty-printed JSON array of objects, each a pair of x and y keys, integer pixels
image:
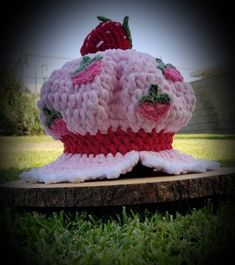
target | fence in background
[
  {"x": 215, "y": 111},
  {"x": 33, "y": 69}
]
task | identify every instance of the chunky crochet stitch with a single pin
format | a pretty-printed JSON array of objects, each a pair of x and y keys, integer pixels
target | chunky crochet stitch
[
  {"x": 116, "y": 142},
  {"x": 112, "y": 99},
  {"x": 113, "y": 108},
  {"x": 108, "y": 35}
]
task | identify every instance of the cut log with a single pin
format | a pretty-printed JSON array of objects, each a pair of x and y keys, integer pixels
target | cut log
[{"x": 124, "y": 191}]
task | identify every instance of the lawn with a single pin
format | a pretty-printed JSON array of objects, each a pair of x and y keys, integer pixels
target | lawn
[{"x": 144, "y": 236}]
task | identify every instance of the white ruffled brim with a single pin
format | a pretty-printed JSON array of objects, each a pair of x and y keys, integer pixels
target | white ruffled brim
[
  {"x": 176, "y": 163},
  {"x": 80, "y": 168}
]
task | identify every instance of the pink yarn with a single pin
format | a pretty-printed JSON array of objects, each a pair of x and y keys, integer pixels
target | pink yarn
[
  {"x": 154, "y": 112},
  {"x": 88, "y": 74},
  {"x": 58, "y": 129},
  {"x": 97, "y": 101},
  {"x": 172, "y": 74},
  {"x": 111, "y": 99}
]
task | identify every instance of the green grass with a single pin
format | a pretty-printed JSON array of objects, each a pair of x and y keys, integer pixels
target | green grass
[
  {"x": 22, "y": 153},
  {"x": 204, "y": 136},
  {"x": 196, "y": 236},
  {"x": 202, "y": 236},
  {"x": 222, "y": 150}
]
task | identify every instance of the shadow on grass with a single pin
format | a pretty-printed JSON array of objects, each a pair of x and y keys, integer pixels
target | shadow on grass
[
  {"x": 11, "y": 174},
  {"x": 227, "y": 162}
]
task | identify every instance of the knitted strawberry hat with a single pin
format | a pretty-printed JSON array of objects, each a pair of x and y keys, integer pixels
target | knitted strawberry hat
[{"x": 113, "y": 108}]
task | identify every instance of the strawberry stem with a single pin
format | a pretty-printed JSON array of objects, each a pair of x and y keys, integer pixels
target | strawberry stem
[
  {"x": 126, "y": 28},
  {"x": 153, "y": 89},
  {"x": 51, "y": 115},
  {"x": 103, "y": 19},
  {"x": 86, "y": 61},
  {"x": 147, "y": 99},
  {"x": 153, "y": 97},
  {"x": 163, "y": 99},
  {"x": 161, "y": 64},
  {"x": 170, "y": 66}
]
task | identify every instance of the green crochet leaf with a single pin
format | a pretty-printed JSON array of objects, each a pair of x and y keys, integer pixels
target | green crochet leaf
[
  {"x": 86, "y": 61},
  {"x": 103, "y": 19},
  {"x": 51, "y": 115},
  {"x": 163, "y": 99},
  {"x": 170, "y": 65},
  {"x": 161, "y": 64},
  {"x": 153, "y": 97},
  {"x": 127, "y": 29}
]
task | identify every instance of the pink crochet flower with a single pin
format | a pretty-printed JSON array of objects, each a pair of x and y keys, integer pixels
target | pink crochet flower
[
  {"x": 172, "y": 74},
  {"x": 58, "y": 128},
  {"x": 88, "y": 74}
]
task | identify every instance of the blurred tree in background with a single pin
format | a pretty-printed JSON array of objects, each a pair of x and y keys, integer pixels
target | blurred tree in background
[{"x": 19, "y": 114}]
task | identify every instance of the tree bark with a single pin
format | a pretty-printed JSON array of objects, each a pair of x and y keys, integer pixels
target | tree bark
[{"x": 125, "y": 191}]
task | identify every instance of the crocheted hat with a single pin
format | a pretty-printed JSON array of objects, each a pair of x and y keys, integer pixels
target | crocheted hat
[{"x": 112, "y": 108}]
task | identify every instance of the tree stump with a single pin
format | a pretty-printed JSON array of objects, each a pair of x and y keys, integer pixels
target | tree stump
[{"x": 133, "y": 190}]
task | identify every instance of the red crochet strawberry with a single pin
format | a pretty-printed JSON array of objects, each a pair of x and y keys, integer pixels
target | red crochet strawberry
[
  {"x": 108, "y": 35},
  {"x": 154, "y": 106}
]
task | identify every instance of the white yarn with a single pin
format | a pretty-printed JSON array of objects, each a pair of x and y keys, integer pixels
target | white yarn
[
  {"x": 175, "y": 162},
  {"x": 77, "y": 168}
]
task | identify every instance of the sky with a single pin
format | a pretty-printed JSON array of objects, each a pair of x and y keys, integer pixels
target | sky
[{"x": 187, "y": 34}]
